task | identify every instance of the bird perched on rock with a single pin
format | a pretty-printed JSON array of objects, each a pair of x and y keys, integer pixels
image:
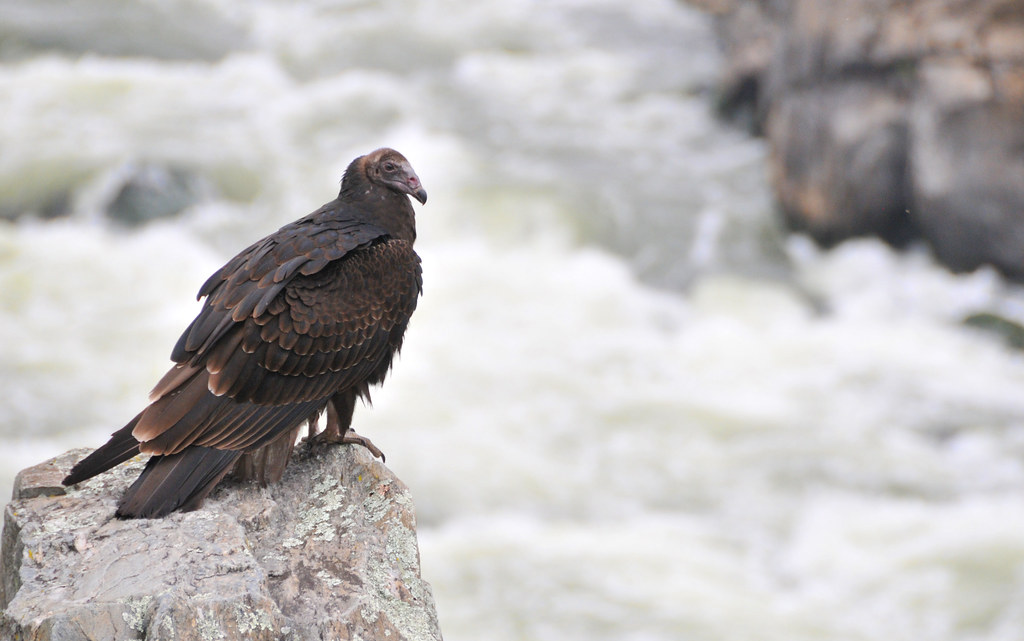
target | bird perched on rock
[{"x": 306, "y": 319}]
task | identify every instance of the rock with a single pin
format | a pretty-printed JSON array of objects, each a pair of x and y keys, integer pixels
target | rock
[
  {"x": 897, "y": 119},
  {"x": 330, "y": 552},
  {"x": 131, "y": 194},
  {"x": 839, "y": 163},
  {"x": 969, "y": 167},
  {"x": 748, "y": 32},
  {"x": 1009, "y": 331},
  {"x": 43, "y": 479},
  {"x": 149, "y": 191}
]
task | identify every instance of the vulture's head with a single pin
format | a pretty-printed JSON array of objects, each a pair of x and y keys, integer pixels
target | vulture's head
[{"x": 389, "y": 168}]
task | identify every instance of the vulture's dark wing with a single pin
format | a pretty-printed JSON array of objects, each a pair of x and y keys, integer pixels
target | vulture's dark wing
[
  {"x": 246, "y": 285},
  {"x": 329, "y": 324}
]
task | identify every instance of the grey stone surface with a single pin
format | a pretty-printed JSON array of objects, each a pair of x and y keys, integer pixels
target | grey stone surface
[
  {"x": 330, "y": 552},
  {"x": 897, "y": 119},
  {"x": 968, "y": 156},
  {"x": 838, "y": 163},
  {"x": 150, "y": 191}
]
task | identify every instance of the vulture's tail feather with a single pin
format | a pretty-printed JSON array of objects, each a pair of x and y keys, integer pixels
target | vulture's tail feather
[
  {"x": 176, "y": 481},
  {"x": 121, "y": 447}
]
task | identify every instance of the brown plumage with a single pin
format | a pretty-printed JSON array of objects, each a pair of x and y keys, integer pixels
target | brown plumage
[{"x": 306, "y": 319}]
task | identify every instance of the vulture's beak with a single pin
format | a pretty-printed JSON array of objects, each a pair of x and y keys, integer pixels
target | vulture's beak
[{"x": 414, "y": 188}]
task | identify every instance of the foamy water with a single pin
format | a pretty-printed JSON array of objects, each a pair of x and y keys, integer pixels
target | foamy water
[{"x": 627, "y": 407}]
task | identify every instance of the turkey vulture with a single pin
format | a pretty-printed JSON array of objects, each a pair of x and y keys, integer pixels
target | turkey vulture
[{"x": 306, "y": 319}]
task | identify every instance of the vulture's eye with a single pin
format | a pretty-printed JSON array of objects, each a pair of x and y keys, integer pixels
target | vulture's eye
[{"x": 389, "y": 166}]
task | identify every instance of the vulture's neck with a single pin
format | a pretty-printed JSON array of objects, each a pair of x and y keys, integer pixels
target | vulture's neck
[{"x": 385, "y": 207}]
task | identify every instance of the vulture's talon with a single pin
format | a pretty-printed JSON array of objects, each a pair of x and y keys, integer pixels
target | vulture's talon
[{"x": 349, "y": 438}]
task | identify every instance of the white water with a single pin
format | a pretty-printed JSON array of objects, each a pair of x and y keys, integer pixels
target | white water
[{"x": 626, "y": 409}]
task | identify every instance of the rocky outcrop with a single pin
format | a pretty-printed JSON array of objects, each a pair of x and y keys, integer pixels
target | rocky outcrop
[
  {"x": 897, "y": 119},
  {"x": 330, "y": 552}
]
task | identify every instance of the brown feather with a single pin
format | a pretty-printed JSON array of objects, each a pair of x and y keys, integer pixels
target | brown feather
[
  {"x": 169, "y": 409},
  {"x": 173, "y": 379},
  {"x": 213, "y": 333},
  {"x": 222, "y": 352},
  {"x": 183, "y": 432},
  {"x": 267, "y": 298},
  {"x": 285, "y": 271}
]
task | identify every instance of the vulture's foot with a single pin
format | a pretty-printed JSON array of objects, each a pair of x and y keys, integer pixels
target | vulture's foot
[{"x": 349, "y": 437}]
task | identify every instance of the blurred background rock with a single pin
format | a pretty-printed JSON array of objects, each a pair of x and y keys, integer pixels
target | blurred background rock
[{"x": 902, "y": 120}]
